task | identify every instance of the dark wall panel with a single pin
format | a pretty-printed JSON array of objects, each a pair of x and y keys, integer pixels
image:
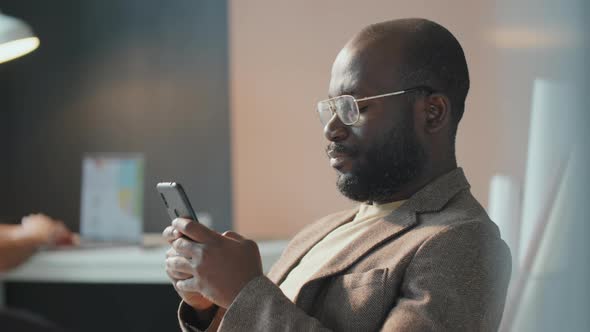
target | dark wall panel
[{"x": 120, "y": 76}]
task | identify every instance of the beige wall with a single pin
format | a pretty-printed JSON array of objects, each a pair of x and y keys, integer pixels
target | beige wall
[{"x": 281, "y": 53}]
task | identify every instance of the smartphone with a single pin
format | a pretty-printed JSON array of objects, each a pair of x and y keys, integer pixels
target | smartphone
[{"x": 176, "y": 201}]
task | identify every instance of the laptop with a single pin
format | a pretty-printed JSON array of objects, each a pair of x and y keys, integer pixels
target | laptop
[{"x": 112, "y": 200}]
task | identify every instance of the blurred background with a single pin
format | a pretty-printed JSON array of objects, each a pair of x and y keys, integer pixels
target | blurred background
[{"x": 220, "y": 96}]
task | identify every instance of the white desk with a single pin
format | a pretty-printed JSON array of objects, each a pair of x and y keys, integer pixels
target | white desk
[{"x": 133, "y": 265}]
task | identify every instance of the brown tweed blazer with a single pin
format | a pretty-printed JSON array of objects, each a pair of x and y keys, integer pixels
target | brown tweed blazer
[{"x": 437, "y": 263}]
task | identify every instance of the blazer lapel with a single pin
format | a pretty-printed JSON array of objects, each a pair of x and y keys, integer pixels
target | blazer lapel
[
  {"x": 304, "y": 241},
  {"x": 401, "y": 220},
  {"x": 391, "y": 226},
  {"x": 433, "y": 197}
]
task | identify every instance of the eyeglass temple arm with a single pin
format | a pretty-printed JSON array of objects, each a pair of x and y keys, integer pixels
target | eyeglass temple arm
[
  {"x": 394, "y": 93},
  {"x": 383, "y": 95}
]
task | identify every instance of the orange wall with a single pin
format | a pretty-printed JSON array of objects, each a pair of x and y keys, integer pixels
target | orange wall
[{"x": 281, "y": 53}]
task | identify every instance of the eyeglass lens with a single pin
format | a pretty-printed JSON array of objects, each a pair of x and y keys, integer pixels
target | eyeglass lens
[{"x": 344, "y": 106}]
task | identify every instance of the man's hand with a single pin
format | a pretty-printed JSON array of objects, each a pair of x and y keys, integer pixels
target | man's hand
[
  {"x": 219, "y": 266},
  {"x": 45, "y": 230},
  {"x": 194, "y": 299}
]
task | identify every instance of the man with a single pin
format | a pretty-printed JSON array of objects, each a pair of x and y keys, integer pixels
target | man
[{"x": 418, "y": 254}]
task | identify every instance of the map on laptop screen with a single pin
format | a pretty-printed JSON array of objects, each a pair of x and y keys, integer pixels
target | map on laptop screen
[{"x": 112, "y": 198}]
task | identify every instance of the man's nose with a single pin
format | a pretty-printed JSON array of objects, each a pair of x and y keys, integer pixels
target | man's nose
[{"x": 335, "y": 130}]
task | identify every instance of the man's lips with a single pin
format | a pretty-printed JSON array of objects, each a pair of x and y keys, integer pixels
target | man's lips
[
  {"x": 336, "y": 150},
  {"x": 338, "y": 159},
  {"x": 338, "y": 162},
  {"x": 335, "y": 154}
]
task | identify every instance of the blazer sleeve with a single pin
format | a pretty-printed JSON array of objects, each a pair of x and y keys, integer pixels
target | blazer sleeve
[
  {"x": 189, "y": 321},
  {"x": 456, "y": 281},
  {"x": 262, "y": 306}
]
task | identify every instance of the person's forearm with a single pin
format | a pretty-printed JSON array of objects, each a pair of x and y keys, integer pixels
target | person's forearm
[
  {"x": 6, "y": 230},
  {"x": 16, "y": 246}
]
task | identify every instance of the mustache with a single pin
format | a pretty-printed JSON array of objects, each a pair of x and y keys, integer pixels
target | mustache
[{"x": 340, "y": 148}]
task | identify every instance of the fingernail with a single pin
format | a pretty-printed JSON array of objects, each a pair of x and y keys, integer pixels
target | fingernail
[{"x": 175, "y": 233}]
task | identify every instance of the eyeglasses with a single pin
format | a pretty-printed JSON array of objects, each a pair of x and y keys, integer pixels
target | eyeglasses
[{"x": 347, "y": 108}]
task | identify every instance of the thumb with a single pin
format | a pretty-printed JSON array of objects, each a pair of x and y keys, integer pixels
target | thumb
[
  {"x": 233, "y": 235},
  {"x": 195, "y": 230}
]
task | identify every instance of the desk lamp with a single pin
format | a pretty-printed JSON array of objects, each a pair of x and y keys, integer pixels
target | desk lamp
[{"x": 16, "y": 38}]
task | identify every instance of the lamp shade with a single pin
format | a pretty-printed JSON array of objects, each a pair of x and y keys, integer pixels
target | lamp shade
[{"x": 16, "y": 38}]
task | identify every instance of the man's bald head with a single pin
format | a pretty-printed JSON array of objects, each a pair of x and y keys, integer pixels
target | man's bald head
[{"x": 418, "y": 52}]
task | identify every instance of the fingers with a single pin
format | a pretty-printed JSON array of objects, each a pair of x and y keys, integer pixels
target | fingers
[
  {"x": 170, "y": 234},
  {"x": 40, "y": 217},
  {"x": 188, "y": 285},
  {"x": 75, "y": 239},
  {"x": 65, "y": 238},
  {"x": 191, "y": 229},
  {"x": 177, "y": 267},
  {"x": 188, "y": 239},
  {"x": 179, "y": 264},
  {"x": 195, "y": 231},
  {"x": 62, "y": 229},
  {"x": 171, "y": 253},
  {"x": 175, "y": 275},
  {"x": 29, "y": 219},
  {"x": 188, "y": 248}
]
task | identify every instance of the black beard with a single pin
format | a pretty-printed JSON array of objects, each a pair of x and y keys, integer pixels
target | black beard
[{"x": 396, "y": 160}]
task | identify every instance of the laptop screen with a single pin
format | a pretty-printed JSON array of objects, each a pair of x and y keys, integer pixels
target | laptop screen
[{"x": 112, "y": 198}]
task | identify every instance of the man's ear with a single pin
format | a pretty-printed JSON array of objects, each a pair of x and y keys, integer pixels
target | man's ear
[{"x": 437, "y": 112}]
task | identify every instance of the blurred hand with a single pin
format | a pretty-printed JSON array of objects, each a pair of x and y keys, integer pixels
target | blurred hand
[
  {"x": 214, "y": 265},
  {"x": 46, "y": 231}
]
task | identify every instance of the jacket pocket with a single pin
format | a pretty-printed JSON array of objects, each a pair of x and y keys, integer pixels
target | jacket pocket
[{"x": 355, "y": 302}]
